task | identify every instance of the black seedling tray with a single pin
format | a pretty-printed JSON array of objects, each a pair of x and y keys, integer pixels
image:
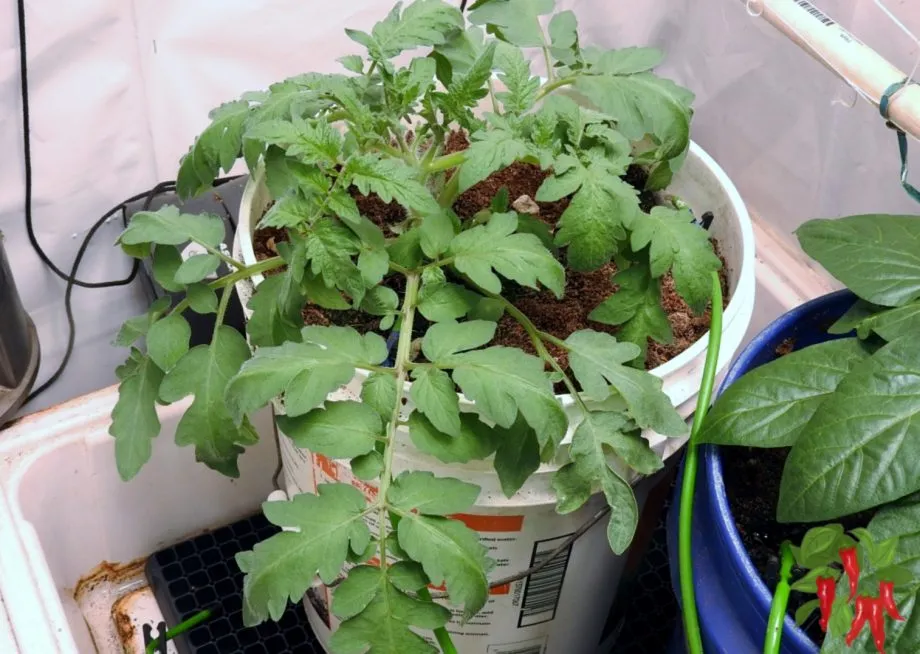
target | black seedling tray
[{"x": 202, "y": 573}]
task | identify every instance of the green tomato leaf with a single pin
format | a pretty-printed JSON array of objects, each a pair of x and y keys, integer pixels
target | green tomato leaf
[
  {"x": 422, "y": 23},
  {"x": 627, "y": 61},
  {"x": 166, "y": 226},
  {"x": 517, "y": 456},
  {"x": 329, "y": 249},
  {"x": 166, "y": 261},
  {"x": 465, "y": 91},
  {"x": 636, "y": 307},
  {"x": 379, "y": 392},
  {"x": 379, "y": 616},
  {"x": 518, "y": 257},
  {"x": 367, "y": 466},
  {"x": 167, "y": 340},
  {"x": 341, "y": 430},
  {"x": 676, "y": 244},
  {"x": 391, "y": 179},
  {"x": 281, "y": 568},
  {"x": 503, "y": 381},
  {"x": 134, "y": 419},
  {"x": 875, "y": 256},
  {"x": 136, "y": 326},
  {"x": 597, "y": 360},
  {"x": 476, "y": 440},
  {"x": 854, "y": 454},
  {"x": 380, "y": 301},
  {"x": 514, "y": 21},
  {"x": 276, "y": 307},
  {"x": 443, "y": 301},
  {"x": 450, "y": 553},
  {"x": 424, "y": 493},
  {"x": 624, "y": 514},
  {"x": 771, "y": 405},
  {"x": 206, "y": 424},
  {"x": 304, "y": 372},
  {"x": 572, "y": 489},
  {"x": 434, "y": 395},
  {"x": 311, "y": 142},
  {"x": 201, "y": 298},
  {"x": 291, "y": 211},
  {"x": 216, "y": 148},
  {"x": 490, "y": 151},
  {"x": 515, "y": 75},
  {"x": 196, "y": 268},
  {"x": 449, "y": 337},
  {"x": 437, "y": 231}
]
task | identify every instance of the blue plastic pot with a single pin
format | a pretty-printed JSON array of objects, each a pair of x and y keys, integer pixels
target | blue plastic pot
[{"x": 732, "y": 600}]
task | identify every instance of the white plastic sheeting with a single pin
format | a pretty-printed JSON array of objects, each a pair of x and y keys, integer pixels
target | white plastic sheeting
[{"x": 120, "y": 88}]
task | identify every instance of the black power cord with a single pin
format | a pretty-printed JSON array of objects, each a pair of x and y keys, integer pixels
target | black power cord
[{"x": 71, "y": 278}]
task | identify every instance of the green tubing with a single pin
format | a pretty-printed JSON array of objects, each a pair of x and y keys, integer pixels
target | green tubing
[
  {"x": 191, "y": 623},
  {"x": 685, "y": 553},
  {"x": 780, "y": 601}
]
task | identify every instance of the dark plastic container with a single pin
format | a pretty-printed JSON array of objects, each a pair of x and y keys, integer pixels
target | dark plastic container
[
  {"x": 732, "y": 600},
  {"x": 19, "y": 349}
]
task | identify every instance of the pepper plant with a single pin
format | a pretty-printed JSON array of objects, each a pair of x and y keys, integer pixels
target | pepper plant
[
  {"x": 848, "y": 407},
  {"x": 437, "y": 281}
]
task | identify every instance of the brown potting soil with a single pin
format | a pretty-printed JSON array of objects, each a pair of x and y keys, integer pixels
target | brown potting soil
[
  {"x": 752, "y": 481},
  {"x": 584, "y": 291}
]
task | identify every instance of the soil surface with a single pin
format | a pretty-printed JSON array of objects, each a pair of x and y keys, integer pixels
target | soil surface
[
  {"x": 752, "y": 480},
  {"x": 584, "y": 291}
]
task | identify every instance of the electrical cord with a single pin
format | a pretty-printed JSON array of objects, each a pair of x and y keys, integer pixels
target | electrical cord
[{"x": 71, "y": 278}]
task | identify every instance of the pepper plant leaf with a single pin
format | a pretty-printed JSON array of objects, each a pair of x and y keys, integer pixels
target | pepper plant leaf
[
  {"x": 379, "y": 617},
  {"x": 875, "y": 256},
  {"x": 206, "y": 424},
  {"x": 326, "y": 526},
  {"x": 681, "y": 247},
  {"x": 597, "y": 360},
  {"x": 503, "y": 381},
  {"x": 771, "y": 405},
  {"x": 304, "y": 372},
  {"x": 519, "y": 257},
  {"x": 134, "y": 419},
  {"x": 855, "y": 451},
  {"x": 340, "y": 430}
]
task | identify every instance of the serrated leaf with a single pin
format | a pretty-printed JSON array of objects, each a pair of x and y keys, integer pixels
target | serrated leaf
[
  {"x": 636, "y": 306},
  {"x": 503, "y": 381},
  {"x": 391, "y": 179},
  {"x": 676, "y": 244},
  {"x": 434, "y": 395},
  {"x": 304, "y": 372},
  {"x": 379, "y": 392},
  {"x": 854, "y": 454},
  {"x": 136, "y": 326},
  {"x": 166, "y": 226},
  {"x": 518, "y": 257},
  {"x": 771, "y": 405},
  {"x": 449, "y": 337},
  {"x": 515, "y": 75},
  {"x": 167, "y": 340},
  {"x": 572, "y": 489},
  {"x": 624, "y": 514},
  {"x": 196, "y": 268},
  {"x": 216, "y": 148},
  {"x": 290, "y": 211},
  {"x": 627, "y": 61},
  {"x": 475, "y": 441},
  {"x": 134, "y": 419},
  {"x": 321, "y": 295},
  {"x": 282, "y": 567},
  {"x": 374, "y": 263},
  {"x": 490, "y": 151},
  {"x": 426, "y": 494},
  {"x": 642, "y": 104},
  {"x": 380, "y": 301},
  {"x": 875, "y": 256},
  {"x": 514, "y": 21},
  {"x": 406, "y": 249},
  {"x": 311, "y": 142},
  {"x": 166, "y": 261},
  {"x": 341, "y": 430},
  {"x": 635, "y": 451},
  {"x": 445, "y": 301},
  {"x": 597, "y": 360},
  {"x": 517, "y": 455},
  {"x": 436, "y": 232},
  {"x": 353, "y": 63},
  {"x": 450, "y": 553},
  {"x": 206, "y": 424},
  {"x": 367, "y": 466},
  {"x": 288, "y": 177},
  {"x": 422, "y": 23},
  {"x": 466, "y": 90},
  {"x": 329, "y": 250},
  {"x": 379, "y": 617},
  {"x": 201, "y": 298},
  {"x": 276, "y": 307},
  {"x": 407, "y": 576},
  {"x": 563, "y": 32}
]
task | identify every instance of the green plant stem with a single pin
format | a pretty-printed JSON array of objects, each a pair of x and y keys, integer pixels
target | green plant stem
[
  {"x": 549, "y": 87},
  {"x": 549, "y": 65},
  {"x": 450, "y": 191},
  {"x": 774, "y": 633},
  {"x": 688, "y": 487},
  {"x": 222, "y": 308},
  {"x": 249, "y": 271},
  {"x": 230, "y": 261},
  {"x": 446, "y": 162},
  {"x": 440, "y": 634},
  {"x": 182, "y": 627}
]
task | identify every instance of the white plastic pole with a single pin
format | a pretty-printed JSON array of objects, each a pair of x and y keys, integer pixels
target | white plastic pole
[{"x": 844, "y": 54}]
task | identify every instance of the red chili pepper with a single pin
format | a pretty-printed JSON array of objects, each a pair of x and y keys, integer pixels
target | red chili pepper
[
  {"x": 886, "y": 594},
  {"x": 827, "y": 589},
  {"x": 863, "y": 609},
  {"x": 877, "y": 624},
  {"x": 850, "y": 562}
]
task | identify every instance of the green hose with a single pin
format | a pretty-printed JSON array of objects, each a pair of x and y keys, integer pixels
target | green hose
[
  {"x": 685, "y": 553},
  {"x": 780, "y": 601}
]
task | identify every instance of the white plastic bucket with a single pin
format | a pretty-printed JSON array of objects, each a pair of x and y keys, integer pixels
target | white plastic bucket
[{"x": 580, "y": 587}]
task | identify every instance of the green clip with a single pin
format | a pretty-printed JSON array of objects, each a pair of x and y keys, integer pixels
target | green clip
[{"x": 883, "y": 104}]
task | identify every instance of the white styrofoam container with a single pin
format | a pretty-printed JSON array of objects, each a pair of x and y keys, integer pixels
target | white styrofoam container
[{"x": 64, "y": 510}]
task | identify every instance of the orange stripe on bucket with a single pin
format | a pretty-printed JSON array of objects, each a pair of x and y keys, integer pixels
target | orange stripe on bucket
[{"x": 491, "y": 523}]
